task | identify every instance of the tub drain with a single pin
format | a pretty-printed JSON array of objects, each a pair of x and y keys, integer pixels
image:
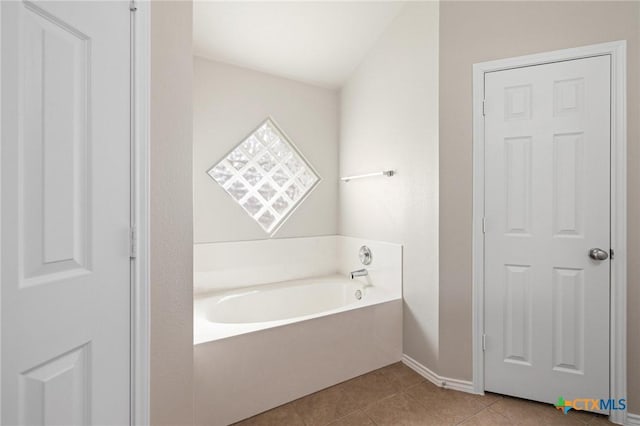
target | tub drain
[{"x": 358, "y": 294}]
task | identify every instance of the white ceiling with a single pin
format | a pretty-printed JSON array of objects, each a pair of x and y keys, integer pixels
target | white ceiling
[{"x": 315, "y": 42}]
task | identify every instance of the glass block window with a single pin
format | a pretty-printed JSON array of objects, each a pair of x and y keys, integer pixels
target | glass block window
[{"x": 266, "y": 175}]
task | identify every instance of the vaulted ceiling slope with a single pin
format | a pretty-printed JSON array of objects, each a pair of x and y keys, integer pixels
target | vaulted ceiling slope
[{"x": 315, "y": 42}]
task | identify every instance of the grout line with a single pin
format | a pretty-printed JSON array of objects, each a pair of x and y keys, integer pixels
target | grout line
[
  {"x": 342, "y": 417},
  {"x": 485, "y": 407},
  {"x": 369, "y": 417},
  {"x": 499, "y": 398},
  {"x": 476, "y": 414}
]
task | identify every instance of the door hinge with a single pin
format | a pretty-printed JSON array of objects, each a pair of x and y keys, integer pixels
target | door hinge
[
  {"x": 484, "y": 107},
  {"x": 484, "y": 342},
  {"x": 133, "y": 245},
  {"x": 484, "y": 225},
  {"x": 132, "y": 6}
]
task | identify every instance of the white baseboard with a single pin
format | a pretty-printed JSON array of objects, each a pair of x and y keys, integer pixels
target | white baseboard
[
  {"x": 421, "y": 370},
  {"x": 466, "y": 386},
  {"x": 633, "y": 420},
  {"x": 443, "y": 382}
]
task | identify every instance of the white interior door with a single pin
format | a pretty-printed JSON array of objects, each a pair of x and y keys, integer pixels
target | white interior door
[
  {"x": 547, "y": 158},
  {"x": 65, "y": 213}
]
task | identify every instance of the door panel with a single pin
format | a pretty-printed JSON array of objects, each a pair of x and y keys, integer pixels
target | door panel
[
  {"x": 53, "y": 125},
  {"x": 65, "y": 270},
  {"x": 56, "y": 391},
  {"x": 547, "y": 202}
]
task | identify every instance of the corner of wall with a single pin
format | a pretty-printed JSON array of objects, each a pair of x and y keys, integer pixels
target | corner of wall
[{"x": 171, "y": 261}]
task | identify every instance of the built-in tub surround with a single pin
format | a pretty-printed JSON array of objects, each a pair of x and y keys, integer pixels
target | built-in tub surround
[
  {"x": 241, "y": 376},
  {"x": 259, "y": 346},
  {"x": 225, "y": 266},
  {"x": 232, "y": 265}
]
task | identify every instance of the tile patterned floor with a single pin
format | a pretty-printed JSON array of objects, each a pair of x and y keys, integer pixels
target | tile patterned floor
[{"x": 396, "y": 395}]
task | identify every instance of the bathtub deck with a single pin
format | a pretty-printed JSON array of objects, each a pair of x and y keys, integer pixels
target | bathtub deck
[{"x": 396, "y": 395}]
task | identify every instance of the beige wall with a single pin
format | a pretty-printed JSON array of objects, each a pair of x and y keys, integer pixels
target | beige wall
[
  {"x": 389, "y": 120},
  {"x": 171, "y": 219},
  {"x": 472, "y": 32},
  {"x": 383, "y": 126},
  {"x": 229, "y": 102}
]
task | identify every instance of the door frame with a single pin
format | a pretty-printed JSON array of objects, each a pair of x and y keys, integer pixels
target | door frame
[
  {"x": 618, "y": 313},
  {"x": 140, "y": 211},
  {"x": 0, "y": 213},
  {"x": 140, "y": 290}
]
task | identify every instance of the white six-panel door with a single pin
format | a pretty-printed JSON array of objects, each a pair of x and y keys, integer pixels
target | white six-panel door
[
  {"x": 547, "y": 203},
  {"x": 65, "y": 268}
]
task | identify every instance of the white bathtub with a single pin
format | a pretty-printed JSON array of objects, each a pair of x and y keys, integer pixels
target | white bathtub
[
  {"x": 261, "y": 346},
  {"x": 224, "y": 314}
]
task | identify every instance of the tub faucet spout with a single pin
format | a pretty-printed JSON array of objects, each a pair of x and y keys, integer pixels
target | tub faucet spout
[{"x": 359, "y": 273}]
